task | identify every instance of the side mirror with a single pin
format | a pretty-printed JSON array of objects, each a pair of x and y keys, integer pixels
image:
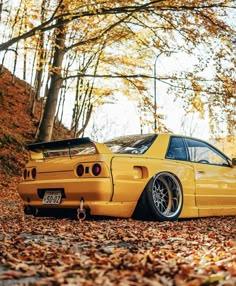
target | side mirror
[{"x": 234, "y": 161}]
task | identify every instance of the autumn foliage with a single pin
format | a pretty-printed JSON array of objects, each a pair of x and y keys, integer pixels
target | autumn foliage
[{"x": 93, "y": 51}]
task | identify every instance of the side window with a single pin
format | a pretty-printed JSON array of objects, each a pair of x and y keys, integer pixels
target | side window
[
  {"x": 176, "y": 150},
  {"x": 201, "y": 152}
]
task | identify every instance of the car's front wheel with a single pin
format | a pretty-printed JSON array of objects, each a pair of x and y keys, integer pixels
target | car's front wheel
[{"x": 162, "y": 199}]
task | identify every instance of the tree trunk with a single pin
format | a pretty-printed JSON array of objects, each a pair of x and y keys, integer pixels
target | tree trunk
[
  {"x": 88, "y": 116},
  {"x": 41, "y": 55},
  {"x": 46, "y": 127}
]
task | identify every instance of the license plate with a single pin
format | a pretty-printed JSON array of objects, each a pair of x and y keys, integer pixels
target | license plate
[{"x": 52, "y": 198}]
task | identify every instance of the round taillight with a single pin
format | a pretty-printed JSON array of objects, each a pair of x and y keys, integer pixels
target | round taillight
[
  {"x": 96, "y": 170},
  {"x": 80, "y": 170},
  {"x": 25, "y": 174},
  {"x": 33, "y": 173}
]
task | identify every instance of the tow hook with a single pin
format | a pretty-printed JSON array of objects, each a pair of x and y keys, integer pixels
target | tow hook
[{"x": 81, "y": 212}]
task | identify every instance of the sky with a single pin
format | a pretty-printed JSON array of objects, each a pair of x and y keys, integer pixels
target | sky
[{"x": 121, "y": 118}]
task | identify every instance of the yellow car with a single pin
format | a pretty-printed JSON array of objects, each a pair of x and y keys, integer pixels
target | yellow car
[{"x": 153, "y": 176}]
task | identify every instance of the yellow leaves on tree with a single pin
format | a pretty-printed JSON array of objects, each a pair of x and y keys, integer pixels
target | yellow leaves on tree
[
  {"x": 196, "y": 100},
  {"x": 121, "y": 40}
]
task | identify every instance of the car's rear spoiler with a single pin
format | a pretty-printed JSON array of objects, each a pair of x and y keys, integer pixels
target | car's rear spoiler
[
  {"x": 37, "y": 149},
  {"x": 54, "y": 145}
]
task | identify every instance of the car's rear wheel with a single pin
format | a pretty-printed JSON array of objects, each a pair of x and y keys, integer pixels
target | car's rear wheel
[{"x": 162, "y": 199}]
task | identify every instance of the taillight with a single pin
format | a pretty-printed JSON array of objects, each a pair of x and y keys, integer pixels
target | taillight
[
  {"x": 33, "y": 173},
  {"x": 25, "y": 174},
  {"x": 80, "y": 170},
  {"x": 96, "y": 170}
]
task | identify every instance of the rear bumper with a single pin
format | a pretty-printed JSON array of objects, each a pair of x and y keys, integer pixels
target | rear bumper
[
  {"x": 99, "y": 189},
  {"x": 115, "y": 209},
  {"x": 96, "y": 193}
]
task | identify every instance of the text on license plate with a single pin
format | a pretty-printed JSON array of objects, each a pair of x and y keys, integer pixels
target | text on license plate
[{"x": 52, "y": 197}]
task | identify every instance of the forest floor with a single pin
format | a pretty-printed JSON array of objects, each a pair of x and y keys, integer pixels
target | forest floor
[
  {"x": 110, "y": 251},
  {"x": 97, "y": 251}
]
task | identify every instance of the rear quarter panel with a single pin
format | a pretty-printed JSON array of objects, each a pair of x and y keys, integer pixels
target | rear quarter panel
[{"x": 131, "y": 174}]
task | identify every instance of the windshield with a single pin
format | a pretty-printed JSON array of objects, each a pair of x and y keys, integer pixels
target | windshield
[{"x": 132, "y": 144}]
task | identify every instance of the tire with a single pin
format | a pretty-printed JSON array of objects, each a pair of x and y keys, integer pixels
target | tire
[{"x": 162, "y": 199}]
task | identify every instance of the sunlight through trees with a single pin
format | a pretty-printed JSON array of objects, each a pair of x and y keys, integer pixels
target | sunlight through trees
[{"x": 91, "y": 51}]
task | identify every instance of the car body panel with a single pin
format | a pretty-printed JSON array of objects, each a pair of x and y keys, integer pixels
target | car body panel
[
  {"x": 215, "y": 189},
  {"x": 128, "y": 187}
]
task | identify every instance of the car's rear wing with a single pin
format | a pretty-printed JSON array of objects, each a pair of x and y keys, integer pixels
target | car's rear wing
[{"x": 69, "y": 147}]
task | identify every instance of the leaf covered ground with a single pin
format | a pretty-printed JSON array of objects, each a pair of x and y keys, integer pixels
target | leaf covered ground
[{"x": 101, "y": 251}]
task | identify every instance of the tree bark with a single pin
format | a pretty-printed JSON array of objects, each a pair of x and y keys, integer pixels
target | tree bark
[{"x": 46, "y": 127}]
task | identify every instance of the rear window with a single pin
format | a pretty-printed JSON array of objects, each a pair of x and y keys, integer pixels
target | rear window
[
  {"x": 73, "y": 151},
  {"x": 132, "y": 144}
]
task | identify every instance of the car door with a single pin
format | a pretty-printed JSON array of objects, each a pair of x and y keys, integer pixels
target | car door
[{"x": 215, "y": 179}]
